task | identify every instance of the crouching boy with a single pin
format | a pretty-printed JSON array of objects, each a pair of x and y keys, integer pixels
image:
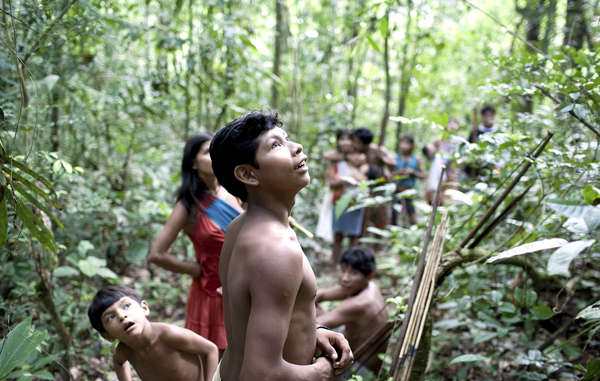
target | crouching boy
[
  {"x": 362, "y": 310},
  {"x": 157, "y": 351}
]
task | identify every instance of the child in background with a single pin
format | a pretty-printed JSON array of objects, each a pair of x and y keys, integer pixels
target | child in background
[
  {"x": 341, "y": 176},
  {"x": 409, "y": 166},
  {"x": 157, "y": 351}
]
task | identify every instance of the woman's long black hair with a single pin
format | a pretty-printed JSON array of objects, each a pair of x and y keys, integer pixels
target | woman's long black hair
[{"x": 192, "y": 186}]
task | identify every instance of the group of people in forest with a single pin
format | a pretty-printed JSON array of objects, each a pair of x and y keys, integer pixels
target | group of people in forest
[{"x": 253, "y": 309}]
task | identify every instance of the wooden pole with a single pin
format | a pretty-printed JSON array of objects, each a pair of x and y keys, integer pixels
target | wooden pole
[{"x": 418, "y": 275}]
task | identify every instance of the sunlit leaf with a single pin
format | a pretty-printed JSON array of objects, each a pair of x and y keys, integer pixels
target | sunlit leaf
[
  {"x": 531, "y": 247},
  {"x": 468, "y": 358},
  {"x": 559, "y": 262}
]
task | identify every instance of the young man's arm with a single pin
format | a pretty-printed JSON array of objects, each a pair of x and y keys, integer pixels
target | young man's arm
[
  {"x": 346, "y": 312},
  {"x": 273, "y": 286},
  {"x": 122, "y": 368},
  {"x": 184, "y": 340},
  {"x": 159, "y": 253},
  {"x": 336, "y": 292}
]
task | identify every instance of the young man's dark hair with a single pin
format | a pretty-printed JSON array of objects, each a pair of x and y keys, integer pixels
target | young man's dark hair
[
  {"x": 360, "y": 258},
  {"x": 104, "y": 299},
  {"x": 488, "y": 108},
  {"x": 236, "y": 144},
  {"x": 364, "y": 135}
]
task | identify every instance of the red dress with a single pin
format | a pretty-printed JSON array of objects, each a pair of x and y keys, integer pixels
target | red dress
[{"x": 204, "y": 310}]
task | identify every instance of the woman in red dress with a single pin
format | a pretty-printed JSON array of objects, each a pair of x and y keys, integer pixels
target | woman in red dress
[{"x": 203, "y": 210}]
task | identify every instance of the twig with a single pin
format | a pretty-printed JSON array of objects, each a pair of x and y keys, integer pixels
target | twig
[
  {"x": 571, "y": 112},
  {"x": 498, "y": 201},
  {"x": 46, "y": 31},
  {"x": 509, "y": 208}
]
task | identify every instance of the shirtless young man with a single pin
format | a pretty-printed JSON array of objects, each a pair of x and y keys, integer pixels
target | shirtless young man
[
  {"x": 362, "y": 311},
  {"x": 269, "y": 287}
]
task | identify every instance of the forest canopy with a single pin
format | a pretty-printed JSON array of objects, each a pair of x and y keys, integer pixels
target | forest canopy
[{"x": 97, "y": 99}]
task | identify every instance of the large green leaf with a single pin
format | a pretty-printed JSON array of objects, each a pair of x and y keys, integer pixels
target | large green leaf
[
  {"x": 544, "y": 244},
  {"x": 342, "y": 204},
  {"x": 137, "y": 251},
  {"x": 91, "y": 265},
  {"x": 467, "y": 358},
  {"x": 18, "y": 345},
  {"x": 559, "y": 262},
  {"x": 35, "y": 225},
  {"x": 592, "y": 371},
  {"x": 590, "y": 214}
]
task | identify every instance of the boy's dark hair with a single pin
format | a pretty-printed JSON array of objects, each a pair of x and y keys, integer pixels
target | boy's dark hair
[
  {"x": 342, "y": 132},
  {"x": 236, "y": 144},
  {"x": 360, "y": 258},
  {"x": 364, "y": 135},
  {"x": 103, "y": 299},
  {"x": 488, "y": 108},
  {"x": 409, "y": 139}
]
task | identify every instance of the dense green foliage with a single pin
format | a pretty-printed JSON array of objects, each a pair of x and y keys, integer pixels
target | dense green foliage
[{"x": 97, "y": 98}]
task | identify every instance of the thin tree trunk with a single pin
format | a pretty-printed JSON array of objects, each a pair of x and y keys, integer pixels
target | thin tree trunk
[
  {"x": 228, "y": 89},
  {"x": 575, "y": 25},
  {"x": 388, "y": 82},
  {"x": 550, "y": 25},
  {"x": 279, "y": 42},
  {"x": 189, "y": 70},
  {"x": 405, "y": 74}
]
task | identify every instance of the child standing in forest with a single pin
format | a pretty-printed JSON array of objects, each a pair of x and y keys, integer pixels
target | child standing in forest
[
  {"x": 342, "y": 175},
  {"x": 408, "y": 166},
  {"x": 157, "y": 351}
]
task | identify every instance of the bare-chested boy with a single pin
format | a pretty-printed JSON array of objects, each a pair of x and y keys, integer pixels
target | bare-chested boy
[
  {"x": 269, "y": 287},
  {"x": 362, "y": 311},
  {"x": 157, "y": 351}
]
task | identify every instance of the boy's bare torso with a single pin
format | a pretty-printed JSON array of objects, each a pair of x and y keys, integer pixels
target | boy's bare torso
[
  {"x": 373, "y": 315},
  {"x": 160, "y": 361},
  {"x": 263, "y": 231}
]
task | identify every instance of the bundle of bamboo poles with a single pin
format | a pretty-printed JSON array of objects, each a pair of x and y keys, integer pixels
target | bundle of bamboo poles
[{"x": 420, "y": 310}]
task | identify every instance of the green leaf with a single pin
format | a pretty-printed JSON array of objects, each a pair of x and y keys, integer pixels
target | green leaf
[
  {"x": 23, "y": 167},
  {"x": 591, "y": 195},
  {"x": 84, "y": 246},
  {"x": 3, "y": 221},
  {"x": 91, "y": 265},
  {"x": 593, "y": 370},
  {"x": 480, "y": 338},
  {"x": 107, "y": 273},
  {"x": 531, "y": 247},
  {"x": 18, "y": 345},
  {"x": 137, "y": 251},
  {"x": 542, "y": 312},
  {"x": 64, "y": 271},
  {"x": 467, "y": 358},
  {"x": 342, "y": 204},
  {"x": 373, "y": 43},
  {"x": 35, "y": 226},
  {"x": 559, "y": 262}
]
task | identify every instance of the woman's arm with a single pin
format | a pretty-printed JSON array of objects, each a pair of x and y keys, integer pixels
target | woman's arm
[{"x": 159, "y": 253}]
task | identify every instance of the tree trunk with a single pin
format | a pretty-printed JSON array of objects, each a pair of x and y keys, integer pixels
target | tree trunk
[
  {"x": 228, "y": 89},
  {"x": 405, "y": 73},
  {"x": 190, "y": 70},
  {"x": 575, "y": 26},
  {"x": 279, "y": 43},
  {"x": 388, "y": 82}
]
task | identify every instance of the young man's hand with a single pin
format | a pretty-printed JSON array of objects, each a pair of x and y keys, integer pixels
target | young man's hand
[{"x": 337, "y": 349}]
